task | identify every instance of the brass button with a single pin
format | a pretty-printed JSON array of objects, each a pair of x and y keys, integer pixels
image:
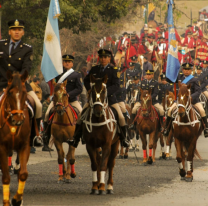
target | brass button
[
  {"x": 10, "y": 56},
  {"x": 19, "y": 58},
  {"x": 5, "y": 43},
  {"x": 20, "y": 45},
  {"x": 9, "y": 65}
]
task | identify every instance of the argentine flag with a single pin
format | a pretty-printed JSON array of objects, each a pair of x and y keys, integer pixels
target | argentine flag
[
  {"x": 51, "y": 65},
  {"x": 173, "y": 64}
]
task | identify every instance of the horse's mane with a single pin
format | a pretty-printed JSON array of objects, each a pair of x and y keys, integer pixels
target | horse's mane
[
  {"x": 16, "y": 82},
  {"x": 98, "y": 82}
]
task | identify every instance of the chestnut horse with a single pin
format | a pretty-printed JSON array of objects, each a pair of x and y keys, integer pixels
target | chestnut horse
[
  {"x": 99, "y": 131},
  {"x": 186, "y": 130},
  {"x": 167, "y": 102},
  {"x": 147, "y": 123},
  {"x": 62, "y": 129},
  {"x": 15, "y": 129}
]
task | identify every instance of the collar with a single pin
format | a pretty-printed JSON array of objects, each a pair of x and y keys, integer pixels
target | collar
[{"x": 15, "y": 43}]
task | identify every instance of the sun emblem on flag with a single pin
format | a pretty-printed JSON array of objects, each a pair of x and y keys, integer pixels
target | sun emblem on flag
[{"x": 49, "y": 37}]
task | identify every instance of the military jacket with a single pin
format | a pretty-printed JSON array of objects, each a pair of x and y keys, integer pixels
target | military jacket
[
  {"x": 131, "y": 73},
  {"x": 153, "y": 84},
  {"x": 162, "y": 90},
  {"x": 113, "y": 80},
  {"x": 121, "y": 94},
  {"x": 74, "y": 84},
  {"x": 19, "y": 60},
  {"x": 195, "y": 88},
  {"x": 203, "y": 81}
]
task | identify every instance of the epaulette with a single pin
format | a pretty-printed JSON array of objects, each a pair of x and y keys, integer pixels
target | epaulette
[
  {"x": 171, "y": 84},
  {"x": 27, "y": 45},
  {"x": 3, "y": 40},
  {"x": 115, "y": 67}
]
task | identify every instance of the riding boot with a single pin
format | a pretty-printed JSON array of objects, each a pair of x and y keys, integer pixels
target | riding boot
[
  {"x": 46, "y": 137},
  {"x": 206, "y": 126},
  {"x": 132, "y": 125},
  {"x": 38, "y": 123},
  {"x": 125, "y": 116},
  {"x": 167, "y": 128},
  {"x": 123, "y": 136},
  {"x": 77, "y": 136}
]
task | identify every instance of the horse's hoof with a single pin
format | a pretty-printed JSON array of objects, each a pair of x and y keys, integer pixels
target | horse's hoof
[
  {"x": 15, "y": 203},
  {"x": 110, "y": 192},
  {"x": 102, "y": 192},
  {"x": 150, "y": 161},
  {"x": 73, "y": 175},
  {"x": 126, "y": 156},
  {"x": 188, "y": 179},
  {"x": 164, "y": 155},
  {"x": 121, "y": 156},
  {"x": 160, "y": 158},
  {"x": 167, "y": 158},
  {"x": 183, "y": 178},
  {"x": 144, "y": 163},
  {"x": 61, "y": 181},
  {"x": 67, "y": 180},
  {"x": 170, "y": 158},
  {"x": 94, "y": 192}
]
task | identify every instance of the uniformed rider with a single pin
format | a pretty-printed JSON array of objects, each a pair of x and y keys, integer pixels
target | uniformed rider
[
  {"x": 112, "y": 85},
  {"x": 187, "y": 78}
]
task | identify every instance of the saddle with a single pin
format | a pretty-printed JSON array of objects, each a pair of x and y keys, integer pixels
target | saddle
[{"x": 31, "y": 106}]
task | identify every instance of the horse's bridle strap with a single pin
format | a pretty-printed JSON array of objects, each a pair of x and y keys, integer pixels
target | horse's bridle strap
[{"x": 16, "y": 112}]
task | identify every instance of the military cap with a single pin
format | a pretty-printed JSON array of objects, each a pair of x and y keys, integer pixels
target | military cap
[
  {"x": 151, "y": 36},
  {"x": 131, "y": 64},
  {"x": 163, "y": 76},
  {"x": 205, "y": 62},
  {"x": 150, "y": 71},
  {"x": 145, "y": 57},
  {"x": 194, "y": 34},
  {"x": 198, "y": 67},
  {"x": 134, "y": 58},
  {"x": 187, "y": 65},
  {"x": 162, "y": 28},
  {"x": 125, "y": 33},
  {"x": 16, "y": 24},
  {"x": 67, "y": 57},
  {"x": 136, "y": 77},
  {"x": 104, "y": 52},
  {"x": 189, "y": 26}
]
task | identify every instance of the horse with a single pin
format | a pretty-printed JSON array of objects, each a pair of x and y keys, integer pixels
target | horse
[
  {"x": 167, "y": 102},
  {"x": 147, "y": 123},
  {"x": 15, "y": 130},
  {"x": 99, "y": 131},
  {"x": 186, "y": 130},
  {"x": 62, "y": 128}
]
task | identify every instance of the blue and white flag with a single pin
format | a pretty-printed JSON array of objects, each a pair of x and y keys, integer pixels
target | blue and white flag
[
  {"x": 173, "y": 64},
  {"x": 51, "y": 65}
]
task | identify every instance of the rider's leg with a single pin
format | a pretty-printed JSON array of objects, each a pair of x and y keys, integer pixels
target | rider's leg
[
  {"x": 168, "y": 120},
  {"x": 162, "y": 113},
  {"x": 204, "y": 118},
  {"x": 78, "y": 130},
  {"x": 122, "y": 124},
  {"x": 133, "y": 114},
  {"x": 206, "y": 94},
  {"x": 77, "y": 105}
]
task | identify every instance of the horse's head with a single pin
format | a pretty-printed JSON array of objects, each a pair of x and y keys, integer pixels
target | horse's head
[
  {"x": 168, "y": 100},
  {"x": 146, "y": 102},
  {"x": 98, "y": 98},
  {"x": 184, "y": 98},
  {"x": 15, "y": 97},
  {"x": 60, "y": 98}
]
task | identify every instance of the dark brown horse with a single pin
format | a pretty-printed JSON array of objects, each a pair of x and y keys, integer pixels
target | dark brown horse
[
  {"x": 99, "y": 131},
  {"x": 15, "y": 129},
  {"x": 187, "y": 129},
  {"x": 62, "y": 129},
  {"x": 147, "y": 123}
]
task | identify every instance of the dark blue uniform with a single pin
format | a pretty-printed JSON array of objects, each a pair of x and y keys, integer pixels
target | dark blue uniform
[
  {"x": 153, "y": 84},
  {"x": 112, "y": 83},
  {"x": 74, "y": 85},
  {"x": 132, "y": 73},
  {"x": 203, "y": 81},
  {"x": 121, "y": 94},
  {"x": 162, "y": 90},
  {"x": 19, "y": 60}
]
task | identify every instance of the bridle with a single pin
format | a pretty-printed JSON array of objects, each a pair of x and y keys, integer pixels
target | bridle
[
  {"x": 145, "y": 107},
  {"x": 166, "y": 103}
]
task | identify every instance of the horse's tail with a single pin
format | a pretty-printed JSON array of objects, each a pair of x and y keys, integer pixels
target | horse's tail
[{"x": 196, "y": 153}]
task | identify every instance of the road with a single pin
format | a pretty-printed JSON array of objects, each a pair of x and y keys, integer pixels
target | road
[{"x": 134, "y": 184}]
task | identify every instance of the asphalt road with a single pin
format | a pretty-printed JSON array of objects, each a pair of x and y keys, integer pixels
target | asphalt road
[{"x": 134, "y": 184}]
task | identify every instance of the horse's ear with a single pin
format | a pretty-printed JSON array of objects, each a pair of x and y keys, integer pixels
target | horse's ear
[
  {"x": 189, "y": 86},
  {"x": 92, "y": 78},
  {"x": 65, "y": 83},
  {"x": 24, "y": 76},
  {"x": 105, "y": 79},
  {"x": 9, "y": 76},
  {"x": 150, "y": 91}
]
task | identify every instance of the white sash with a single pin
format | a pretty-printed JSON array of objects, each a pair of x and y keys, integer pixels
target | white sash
[{"x": 65, "y": 75}]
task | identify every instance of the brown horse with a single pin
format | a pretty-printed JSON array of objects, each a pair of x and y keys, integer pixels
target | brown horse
[
  {"x": 15, "y": 129},
  {"x": 167, "y": 102},
  {"x": 62, "y": 129},
  {"x": 187, "y": 129},
  {"x": 147, "y": 123},
  {"x": 99, "y": 131}
]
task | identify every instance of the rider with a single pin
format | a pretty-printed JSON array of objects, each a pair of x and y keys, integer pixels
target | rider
[
  {"x": 17, "y": 56},
  {"x": 73, "y": 88},
  {"x": 112, "y": 85},
  {"x": 146, "y": 84},
  {"x": 187, "y": 78}
]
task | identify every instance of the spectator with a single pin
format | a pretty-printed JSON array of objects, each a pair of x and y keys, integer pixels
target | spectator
[
  {"x": 45, "y": 89},
  {"x": 35, "y": 84}
]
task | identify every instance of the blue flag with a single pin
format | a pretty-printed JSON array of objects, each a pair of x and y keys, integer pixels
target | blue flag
[
  {"x": 51, "y": 65},
  {"x": 173, "y": 64}
]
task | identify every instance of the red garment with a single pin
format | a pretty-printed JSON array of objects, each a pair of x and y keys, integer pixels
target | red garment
[
  {"x": 186, "y": 33},
  {"x": 200, "y": 33},
  {"x": 130, "y": 52},
  {"x": 142, "y": 49},
  {"x": 158, "y": 28},
  {"x": 166, "y": 34},
  {"x": 192, "y": 43},
  {"x": 186, "y": 41}
]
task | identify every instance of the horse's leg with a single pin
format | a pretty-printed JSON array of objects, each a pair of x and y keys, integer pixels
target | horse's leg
[
  {"x": 17, "y": 165},
  {"x": 144, "y": 147},
  {"x": 5, "y": 176},
  {"x": 126, "y": 153},
  {"x": 152, "y": 140},
  {"x": 162, "y": 144},
  {"x": 61, "y": 163},
  {"x": 154, "y": 148},
  {"x": 22, "y": 176},
  {"x": 168, "y": 144},
  {"x": 111, "y": 163},
  {"x": 71, "y": 162},
  {"x": 10, "y": 163},
  {"x": 94, "y": 166},
  {"x": 121, "y": 155},
  {"x": 179, "y": 151}
]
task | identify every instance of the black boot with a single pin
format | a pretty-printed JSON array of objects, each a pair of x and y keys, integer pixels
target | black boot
[
  {"x": 77, "y": 136},
  {"x": 46, "y": 137},
  {"x": 132, "y": 125},
  {"x": 206, "y": 126},
  {"x": 123, "y": 136},
  {"x": 167, "y": 129}
]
